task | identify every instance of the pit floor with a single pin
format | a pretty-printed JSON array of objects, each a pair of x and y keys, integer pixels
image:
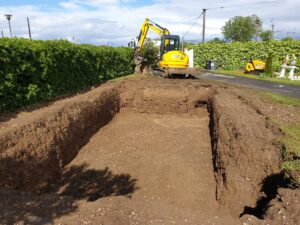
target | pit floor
[
  {"x": 159, "y": 166},
  {"x": 138, "y": 169}
]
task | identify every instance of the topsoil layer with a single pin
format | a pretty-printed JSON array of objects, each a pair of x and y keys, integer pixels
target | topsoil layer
[{"x": 144, "y": 151}]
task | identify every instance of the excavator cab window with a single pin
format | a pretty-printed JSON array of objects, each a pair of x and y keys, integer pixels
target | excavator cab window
[{"x": 169, "y": 43}]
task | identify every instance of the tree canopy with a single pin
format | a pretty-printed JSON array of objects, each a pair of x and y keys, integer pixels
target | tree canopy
[
  {"x": 216, "y": 40},
  {"x": 242, "y": 29},
  {"x": 266, "y": 35},
  {"x": 287, "y": 39}
]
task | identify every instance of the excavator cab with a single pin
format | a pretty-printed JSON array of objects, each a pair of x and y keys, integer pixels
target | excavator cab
[
  {"x": 169, "y": 43},
  {"x": 170, "y": 54}
]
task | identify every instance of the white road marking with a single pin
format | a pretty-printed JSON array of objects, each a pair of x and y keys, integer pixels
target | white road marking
[{"x": 220, "y": 75}]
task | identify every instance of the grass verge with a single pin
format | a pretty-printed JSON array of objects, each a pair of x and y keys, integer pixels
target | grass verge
[
  {"x": 240, "y": 73},
  {"x": 291, "y": 151},
  {"x": 290, "y": 139},
  {"x": 284, "y": 100}
]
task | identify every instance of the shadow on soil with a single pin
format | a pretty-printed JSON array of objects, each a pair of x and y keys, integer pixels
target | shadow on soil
[
  {"x": 77, "y": 183},
  {"x": 82, "y": 183},
  {"x": 270, "y": 187}
]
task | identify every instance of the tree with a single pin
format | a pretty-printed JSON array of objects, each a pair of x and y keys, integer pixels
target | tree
[
  {"x": 216, "y": 40},
  {"x": 241, "y": 28},
  {"x": 287, "y": 39},
  {"x": 269, "y": 65},
  {"x": 266, "y": 35}
]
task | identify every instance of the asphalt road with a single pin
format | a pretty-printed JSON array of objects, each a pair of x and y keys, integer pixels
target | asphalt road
[{"x": 288, "y": 90}]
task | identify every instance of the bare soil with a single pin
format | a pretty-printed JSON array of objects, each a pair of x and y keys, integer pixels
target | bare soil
[{"x": 146, "y": 151}]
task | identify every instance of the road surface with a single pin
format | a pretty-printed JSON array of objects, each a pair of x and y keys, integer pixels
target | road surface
[{"x": 288, "y": 90}]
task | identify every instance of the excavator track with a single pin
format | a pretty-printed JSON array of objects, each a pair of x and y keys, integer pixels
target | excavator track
[{"x": 178, "y": 72}]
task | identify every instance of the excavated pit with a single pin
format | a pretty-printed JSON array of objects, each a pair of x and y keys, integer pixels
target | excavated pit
[{"x": 169, "y": 149}]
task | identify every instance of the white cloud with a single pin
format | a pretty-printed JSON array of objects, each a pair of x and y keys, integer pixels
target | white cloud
[
  {"x": 117, "y": 21},
  {"x": 70, "y": 5}
]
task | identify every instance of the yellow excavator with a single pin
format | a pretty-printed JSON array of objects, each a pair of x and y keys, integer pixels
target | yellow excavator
[
  {"x": 255, "y": 67},
  {"x": 172, "y": 61}
]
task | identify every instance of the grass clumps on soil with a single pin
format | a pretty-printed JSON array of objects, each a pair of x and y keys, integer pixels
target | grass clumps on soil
[
  {"x": 265, "y": 77},
  {"x": 291, "y": 153},
  {"x": 127, "y": 77},
  {"x": 292, "y": 169},
  {"x": 292, "y": 139}
]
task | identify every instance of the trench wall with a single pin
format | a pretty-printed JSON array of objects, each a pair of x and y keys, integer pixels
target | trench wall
[
  {"x": 243, "y": 148},
  {"x": 244, "y": 151},
  {"x": 33, "y": 155}
]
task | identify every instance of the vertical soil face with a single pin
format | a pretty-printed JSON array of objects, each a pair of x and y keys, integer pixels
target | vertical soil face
[
  {"x": 244, "y": 151},
  {"x": 35, "y": 148},
  {"x": 169, "y": 156},
  {"x": 147, "y": 151}
]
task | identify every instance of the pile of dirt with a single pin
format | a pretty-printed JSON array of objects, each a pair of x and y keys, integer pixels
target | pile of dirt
[{"x": 180, "y": 151}]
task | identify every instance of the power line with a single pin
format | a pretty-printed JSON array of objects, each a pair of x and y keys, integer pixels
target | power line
[
  {"x": 225, "y": 7},
  {"x": 253, "y": 3},
  {"x": 221, "y": 7},
  {"x": 196, "y": 20}
]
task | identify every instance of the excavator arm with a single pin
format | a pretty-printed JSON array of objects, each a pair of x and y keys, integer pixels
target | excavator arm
[{"x": 145, "y": 28}]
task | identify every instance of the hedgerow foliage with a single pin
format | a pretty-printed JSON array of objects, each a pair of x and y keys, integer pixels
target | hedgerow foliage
[
  {"x": 234, "y": 56},
  {"x": 35, "y": 71}
]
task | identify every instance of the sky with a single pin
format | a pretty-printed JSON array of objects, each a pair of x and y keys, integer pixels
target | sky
[{"x": 116, "y": 22}]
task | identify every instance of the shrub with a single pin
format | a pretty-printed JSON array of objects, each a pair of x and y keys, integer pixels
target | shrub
[
  {"x": 232, "y": 56},
  {"x": 34, "y": 71},
  {"x": 149, "y": 53}
]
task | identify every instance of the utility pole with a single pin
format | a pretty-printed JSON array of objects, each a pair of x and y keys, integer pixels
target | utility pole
[
  {"x": 29, "y": 30},
  {"x": 203, "y": 30},
  {"x": 8, "y": 17},
  {"x": 272, "y": 27},
  {"x": 2, "y": 33}
]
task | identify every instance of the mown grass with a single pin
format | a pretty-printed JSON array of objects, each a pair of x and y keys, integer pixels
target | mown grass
[{"x": 258, "y": 77}]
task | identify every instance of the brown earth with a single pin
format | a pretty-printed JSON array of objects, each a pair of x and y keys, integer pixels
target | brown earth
[{"x": 146, "y": 151}]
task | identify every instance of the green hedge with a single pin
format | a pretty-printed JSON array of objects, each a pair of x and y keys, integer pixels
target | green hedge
[
  {"x": 234, "y": 56},
  {"x": 35, "y": 71}
]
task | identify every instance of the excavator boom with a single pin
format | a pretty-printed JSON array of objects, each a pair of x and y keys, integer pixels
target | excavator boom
[{"x": 145, "y": 28}]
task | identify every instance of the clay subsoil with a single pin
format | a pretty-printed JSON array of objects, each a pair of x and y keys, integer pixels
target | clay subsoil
[{"x": 146, "y": 150}]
